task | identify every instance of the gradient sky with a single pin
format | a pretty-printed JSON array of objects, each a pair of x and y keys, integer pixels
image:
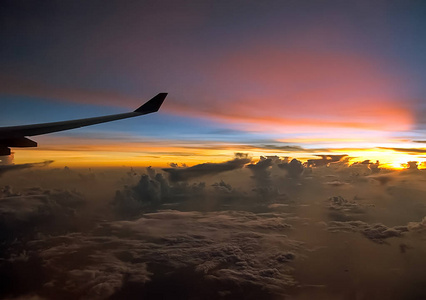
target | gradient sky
[{"x": 291, "y": 78}]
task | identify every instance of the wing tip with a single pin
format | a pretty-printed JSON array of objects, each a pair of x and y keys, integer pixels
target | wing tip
[{"x": 152, "y": 105}]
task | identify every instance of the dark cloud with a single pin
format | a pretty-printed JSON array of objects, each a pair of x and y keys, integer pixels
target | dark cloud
[
  {"x": 231, "y": 251},
  {"x": 325, "y": 160},
  {"x": 412, "y": 165},
  {"x": 12, "y": 167},
  {"x": 267, "y": 176},
  {"x": 373, "y": 168},
  {"x": 260, "y": 170},
  {"x": 339, "y": 203},
  {"x": 364, "y": 162},
  {"x": 153, "y": 190},
  {"x": 294, "y": 168},
  {"x": 150, "y": 191},
  {"x": 222, "y": 187},
  {"x": 36, "y": 211},
  {"x": 183, "y": 174}
]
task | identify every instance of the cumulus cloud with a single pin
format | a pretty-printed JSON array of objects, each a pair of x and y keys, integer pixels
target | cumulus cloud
[
  {"x": 154, "y": 191},
  {"x": 151, "y": 191},
  {"x": 294, "y": 168},
  {"x": 222, "y": 187},
  {"x": 375, "y": 232},
  {"x": 412, "y": 165},
  {"x": 417, "y": 226},
  {"x": 260, "y": 170}
]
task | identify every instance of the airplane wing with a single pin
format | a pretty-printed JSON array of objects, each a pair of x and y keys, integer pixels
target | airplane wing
[{"x": 15, "y": 136}]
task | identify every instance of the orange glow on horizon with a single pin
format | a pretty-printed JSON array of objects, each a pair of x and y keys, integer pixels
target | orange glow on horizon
[{"x": 144, "y": 155}]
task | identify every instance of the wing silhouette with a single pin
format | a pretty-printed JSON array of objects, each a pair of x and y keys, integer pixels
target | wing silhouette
[{"x": 15, "y": 136}]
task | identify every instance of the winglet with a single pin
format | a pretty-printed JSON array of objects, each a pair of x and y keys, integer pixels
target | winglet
[{"x": 152, "y": 105}]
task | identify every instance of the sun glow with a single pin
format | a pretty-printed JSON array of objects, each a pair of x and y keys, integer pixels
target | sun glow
[
  {"x": 163, "y": 154},
  {"x": 388, "y": 159}
]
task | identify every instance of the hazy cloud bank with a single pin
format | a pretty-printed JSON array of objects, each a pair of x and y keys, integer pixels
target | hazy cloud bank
[{"x": 256, "y": 230}]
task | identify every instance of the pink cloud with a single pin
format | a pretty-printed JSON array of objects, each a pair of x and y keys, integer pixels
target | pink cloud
[{"x": 294, "y": 87}]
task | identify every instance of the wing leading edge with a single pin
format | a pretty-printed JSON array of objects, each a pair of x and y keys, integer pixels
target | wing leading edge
[{"x": 15, "y": 136}]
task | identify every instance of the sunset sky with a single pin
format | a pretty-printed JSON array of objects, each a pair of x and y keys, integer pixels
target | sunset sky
[
  {"x": 286, "y": 78},
  {"x": 288, "y": 160}
]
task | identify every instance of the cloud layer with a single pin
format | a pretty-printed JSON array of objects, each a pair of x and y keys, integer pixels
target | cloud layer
[{"x": 267, "y": 228}]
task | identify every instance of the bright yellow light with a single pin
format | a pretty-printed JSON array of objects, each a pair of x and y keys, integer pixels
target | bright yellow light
[{"x": 162, "y": 153}]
